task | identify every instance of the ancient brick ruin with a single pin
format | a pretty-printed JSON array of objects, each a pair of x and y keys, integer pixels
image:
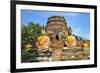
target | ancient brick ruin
[{"x": 57, "y": 30}]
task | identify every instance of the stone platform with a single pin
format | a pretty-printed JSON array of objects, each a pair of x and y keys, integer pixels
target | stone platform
[{"x": 46, "y": 55}]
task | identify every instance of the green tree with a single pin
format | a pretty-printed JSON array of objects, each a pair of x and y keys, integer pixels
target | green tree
[
  {"x": 29, "y": 33},
  {"x": 69, "y": 30}
]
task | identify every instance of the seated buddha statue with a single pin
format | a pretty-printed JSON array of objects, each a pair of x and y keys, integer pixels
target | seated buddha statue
[
  {"x": 70, "y": 40},
  {"x": 43, "y": 40},
  {"x": 85, "y": 45}
]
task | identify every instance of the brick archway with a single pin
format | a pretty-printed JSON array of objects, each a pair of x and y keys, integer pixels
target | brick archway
[{"x": 57, "y": 37}]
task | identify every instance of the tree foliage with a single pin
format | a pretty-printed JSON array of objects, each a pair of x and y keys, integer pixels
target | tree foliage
[
  {"x": 29, "y": 33},
  {"x": 69, "y": 30}
]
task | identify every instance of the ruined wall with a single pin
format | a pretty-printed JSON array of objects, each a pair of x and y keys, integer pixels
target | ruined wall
[{"x": 56, "y": 25}]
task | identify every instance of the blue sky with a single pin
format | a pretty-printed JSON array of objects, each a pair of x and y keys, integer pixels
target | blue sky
[{"x": 80, "y": 22}]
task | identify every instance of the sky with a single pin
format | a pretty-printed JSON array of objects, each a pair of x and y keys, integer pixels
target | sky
[{"x": 78, "y": 21}]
